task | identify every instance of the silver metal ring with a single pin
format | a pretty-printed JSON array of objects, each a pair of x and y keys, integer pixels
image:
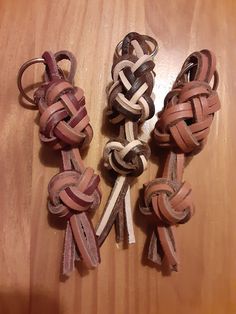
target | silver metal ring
[
  {"x": 148, "y": 39},
  {"x": 20, "y": 75}
]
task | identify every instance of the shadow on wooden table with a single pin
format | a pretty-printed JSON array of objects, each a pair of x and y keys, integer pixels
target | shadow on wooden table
[{"x": 18, "y": 302}]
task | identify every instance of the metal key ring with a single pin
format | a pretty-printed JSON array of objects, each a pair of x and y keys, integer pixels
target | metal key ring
[
  {"x": 22, "y": 69},
  {"x": 147, "y": 38}
]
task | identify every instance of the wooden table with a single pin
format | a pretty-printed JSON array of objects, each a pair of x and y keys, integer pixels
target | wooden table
[{"x": 31, "y": 245}]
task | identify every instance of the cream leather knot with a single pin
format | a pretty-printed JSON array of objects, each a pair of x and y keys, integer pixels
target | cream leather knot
[
  {"x": 170, "y": 201},
  {"x": 126, "y": 158},
  {"x": 73, "y": 192},
  {"x": 64, "y": 120},
  {"x": 186, "y": 117}
]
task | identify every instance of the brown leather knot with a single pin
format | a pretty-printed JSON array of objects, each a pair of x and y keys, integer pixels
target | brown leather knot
[
  {"x": 64, "y": 124},
  {"x": 133, "y": 80},
  {"x": 126, "y": 158},
  {"x": 64, "y": 120},
  {"x": 182, "y": 127},
  {"x": 71, "y": 191},
  {"x": 169, "y": 200},
  {"x": 187, "y": 115}
]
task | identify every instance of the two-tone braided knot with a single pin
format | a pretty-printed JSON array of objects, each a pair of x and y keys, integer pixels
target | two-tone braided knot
[
  {"x": 126, "y": 158},
  {"x": 129, "y": 97}
]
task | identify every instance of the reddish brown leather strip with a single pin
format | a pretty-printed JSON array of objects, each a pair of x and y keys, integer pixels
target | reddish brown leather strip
[
  {"x": 64, "y": 125},
  {"x": 129, "y": 104},
  {"x": 182, "y": 128}
]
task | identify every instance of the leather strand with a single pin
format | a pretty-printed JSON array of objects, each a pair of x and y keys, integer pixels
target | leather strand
[
  {"x": 74, "y": 191},
  {"x": 130, "y": 103},
  {"x": 182, "y": 128}
]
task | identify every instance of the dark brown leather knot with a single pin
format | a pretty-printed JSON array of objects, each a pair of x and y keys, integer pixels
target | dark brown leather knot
[
  {"x": 71, "y": 191},
  {"x": 64, "y": 120},
  {"x": 170, "y": 201},
  {"x": 127, "y": 158},
  {"x": 133, "y": 79}
]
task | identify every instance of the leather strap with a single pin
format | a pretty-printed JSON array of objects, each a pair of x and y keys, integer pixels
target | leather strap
[
  {"x": 182, "y": 129},
  {"x": 130, "y": 103},
  {"x": 64, "y": 125}
]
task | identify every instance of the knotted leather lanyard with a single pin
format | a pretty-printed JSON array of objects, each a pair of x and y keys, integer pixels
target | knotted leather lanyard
[
  {"x": 182, "y": 128},
  {"x": 130, "y": 103},
  {"x": 64, "y": 125}
]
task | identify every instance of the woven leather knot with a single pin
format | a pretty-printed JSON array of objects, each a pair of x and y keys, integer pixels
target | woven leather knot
[
  {"x": 64, "y": 120},
  {"x": 169, "y": 200},
  {"x": 129, "y": 104},
  {"x": 64, "y": 124},
  {"x": 126, "y": 158},
  {"x": 71, "y": 192},
  {"x": 133, "y": 80},
  {"x": 182, "y": 127},
  {"x": 187, "y": 116}
]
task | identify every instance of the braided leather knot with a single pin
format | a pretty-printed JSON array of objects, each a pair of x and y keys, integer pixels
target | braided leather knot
[
  {"x": 169, "y": 200},
  {"x": 126, "y": 158},
  {"x": 130, "y": 94},
  {"x": 187, "y": 115},
  {"x": 64, "y": 124},
  {"x": 64, "y": 120},
  {"x": 71, "y": 191}
]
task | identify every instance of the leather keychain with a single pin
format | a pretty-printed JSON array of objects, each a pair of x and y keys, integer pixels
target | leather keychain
[
  {"x": 130, "y": 103},
  {"x": 182, "y": 129},
  {"x": 64, "y": 125}
]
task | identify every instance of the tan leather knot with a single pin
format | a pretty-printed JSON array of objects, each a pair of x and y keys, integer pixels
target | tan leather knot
[
  {"x": 186, "y": 117},
  {"x": 64, "y": 120},
  {"x": 133, "y": 78},
  {"x": 126, "y": 158},
  {"x": 170, "y": 201},
  {"x": 72, "y": 192},
  {"x": 183, "y": 127}
]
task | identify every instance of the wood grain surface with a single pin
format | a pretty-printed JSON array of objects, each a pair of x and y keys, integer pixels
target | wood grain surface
[{"x": 31, "y": 243}]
